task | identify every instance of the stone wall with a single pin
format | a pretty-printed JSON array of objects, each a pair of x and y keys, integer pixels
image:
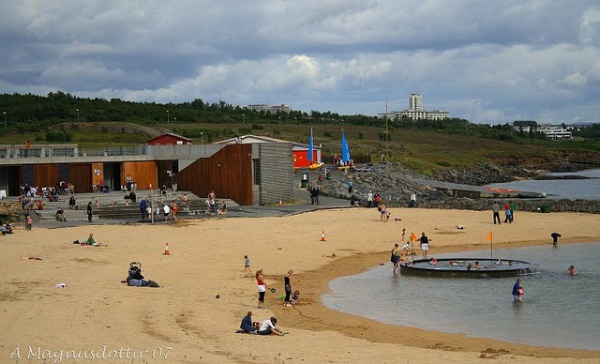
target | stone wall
[{"x": 539, "y": 205}]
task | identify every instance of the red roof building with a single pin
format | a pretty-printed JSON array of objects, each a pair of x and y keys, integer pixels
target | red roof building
[{"x": 169, "y": 139}]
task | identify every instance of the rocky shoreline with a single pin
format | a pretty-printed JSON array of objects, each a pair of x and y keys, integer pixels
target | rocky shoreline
[{"x": 396, "y": 183}]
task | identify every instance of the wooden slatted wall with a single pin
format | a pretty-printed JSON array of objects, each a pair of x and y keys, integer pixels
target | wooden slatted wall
[{"x": 228, "y": 173}]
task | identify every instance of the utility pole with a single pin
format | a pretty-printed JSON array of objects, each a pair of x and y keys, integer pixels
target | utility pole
[{"x": 387, "y": 135}]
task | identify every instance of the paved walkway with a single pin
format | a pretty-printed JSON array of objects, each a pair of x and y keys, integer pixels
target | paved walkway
[{"x": 302, "y": 204}]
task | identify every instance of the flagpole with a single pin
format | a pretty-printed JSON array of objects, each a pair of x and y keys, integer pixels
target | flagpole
[{"x": 491, "y": 245}]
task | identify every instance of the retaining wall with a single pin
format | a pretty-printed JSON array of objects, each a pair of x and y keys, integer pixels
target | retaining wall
[{"x": 539, "y": 205}]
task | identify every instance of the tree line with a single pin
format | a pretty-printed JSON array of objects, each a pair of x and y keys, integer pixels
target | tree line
[{"x": 33, "y": 113}]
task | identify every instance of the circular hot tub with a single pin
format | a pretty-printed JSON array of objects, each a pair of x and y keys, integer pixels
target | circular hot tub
[{"x": 468, "y": 268}]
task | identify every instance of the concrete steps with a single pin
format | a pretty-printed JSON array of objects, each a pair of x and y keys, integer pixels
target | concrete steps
[{"x": 114, "y": 206}]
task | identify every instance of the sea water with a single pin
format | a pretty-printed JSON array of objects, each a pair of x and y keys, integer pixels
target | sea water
[
  {"x": 585, "y": 189},
  {"x": 558, "y": 310}
]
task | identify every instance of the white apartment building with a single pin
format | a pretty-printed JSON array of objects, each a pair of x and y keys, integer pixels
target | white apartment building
[
  {"x": 550, "y": 131},
  {"x": 274, "y": 109},
  {"x": 415, "y": 102},
  {"x": 415, "y": 111}
]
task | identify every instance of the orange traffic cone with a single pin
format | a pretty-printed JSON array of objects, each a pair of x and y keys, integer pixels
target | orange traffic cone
[
  {"x": 280, "y": 203},
  {"x": 323, "y": 236},
  {"x": 166, "y": 249}
]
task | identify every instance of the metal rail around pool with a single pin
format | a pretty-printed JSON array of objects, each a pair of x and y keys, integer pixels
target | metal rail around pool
[{"x": 468, "y": 268}]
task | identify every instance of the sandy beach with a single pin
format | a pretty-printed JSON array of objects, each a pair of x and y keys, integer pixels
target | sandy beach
[{"x": 184, "y": 321}]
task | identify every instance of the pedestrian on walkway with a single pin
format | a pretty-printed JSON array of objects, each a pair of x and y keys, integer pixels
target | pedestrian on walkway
[{"x": 90, "y": 211}]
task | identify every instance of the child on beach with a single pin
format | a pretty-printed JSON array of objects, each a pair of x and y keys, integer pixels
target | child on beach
[
  {"x": 247, "y": 264},
  {"x": 28, "y": 222},
  {"x": 385, "y": 215},
  {"x": 406, "y": 247}
]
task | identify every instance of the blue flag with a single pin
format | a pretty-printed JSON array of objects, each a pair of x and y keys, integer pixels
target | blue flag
[{"x": 345, "y": 149}]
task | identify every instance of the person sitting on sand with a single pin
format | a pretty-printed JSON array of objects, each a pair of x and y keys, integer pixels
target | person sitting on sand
[
  {"x": 267, "y": 327},
  {"x": 295, "y": 297},
  {"x": 247, "y": 326},
  {"x": 135, "y": 277},
  {"x": 4, "y": 230},
  {"x": 572, "y": 270}
]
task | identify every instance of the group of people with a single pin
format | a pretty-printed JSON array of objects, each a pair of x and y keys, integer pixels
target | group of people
[
  {"x": 268, "y": 326},
  {"x": 265, "y": 327},
  {"x": 373, "y": 199},
  {"x": 6, "y": 229},
  {"x": 167, "y": 210},
  {"x": 509, "y": 212},
  {"x": 400, "y": 256},
  {"x": 314, "y": 192}
]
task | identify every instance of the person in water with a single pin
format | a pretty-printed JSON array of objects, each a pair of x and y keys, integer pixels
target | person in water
[
  {"x": 517, "y": 291},
  {"x": 572, "y": 270}
]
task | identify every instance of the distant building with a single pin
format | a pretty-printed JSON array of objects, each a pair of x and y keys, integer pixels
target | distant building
[
  {"x": 415, "y": 111},
  {"x": 169, "y": 139},
  {"x": 299, "y": 150},
  {"x": 273, "y": 109},
  {"x": 550, "y": 131}
]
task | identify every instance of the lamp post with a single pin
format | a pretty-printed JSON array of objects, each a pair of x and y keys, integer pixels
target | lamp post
[
  {"x": 5, "y": 122},
  {"x": 202, "y": 137},
  {"x": 77, "y": 114},
  {"x": 167, "y": 116}
]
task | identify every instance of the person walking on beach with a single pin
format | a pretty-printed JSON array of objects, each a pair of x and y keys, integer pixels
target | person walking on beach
[
  {"x": 247, "y": 265},
  {"x": 424, "y": 241},
  {"x": 507, "y": 213},
  {"x": 517, "y": 291},
  {"x": 287, "y": 282},
  {"x": 395, "y": 259},
  {"x": 555, "y": 237},
  {"x": 261, "y": 286},
  {"x": 496, "y": 210}
]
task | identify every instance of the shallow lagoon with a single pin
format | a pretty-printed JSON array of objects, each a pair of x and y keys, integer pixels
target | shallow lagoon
[{"x": 558, "y": 310}]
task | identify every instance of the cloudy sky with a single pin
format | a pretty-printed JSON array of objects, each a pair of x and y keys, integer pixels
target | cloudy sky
[{"x": 486, "y": 61}]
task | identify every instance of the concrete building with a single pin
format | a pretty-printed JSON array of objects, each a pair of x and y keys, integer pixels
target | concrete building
[
  {"x": 415, "y": 111},
  {"x": 273, "y": 109},
  {"x": 553, "y": 132},
  {"x": 250, "y": 174}
]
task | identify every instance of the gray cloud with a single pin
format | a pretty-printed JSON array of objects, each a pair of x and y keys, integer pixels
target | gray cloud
[{"x": 484, "y": 61}]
